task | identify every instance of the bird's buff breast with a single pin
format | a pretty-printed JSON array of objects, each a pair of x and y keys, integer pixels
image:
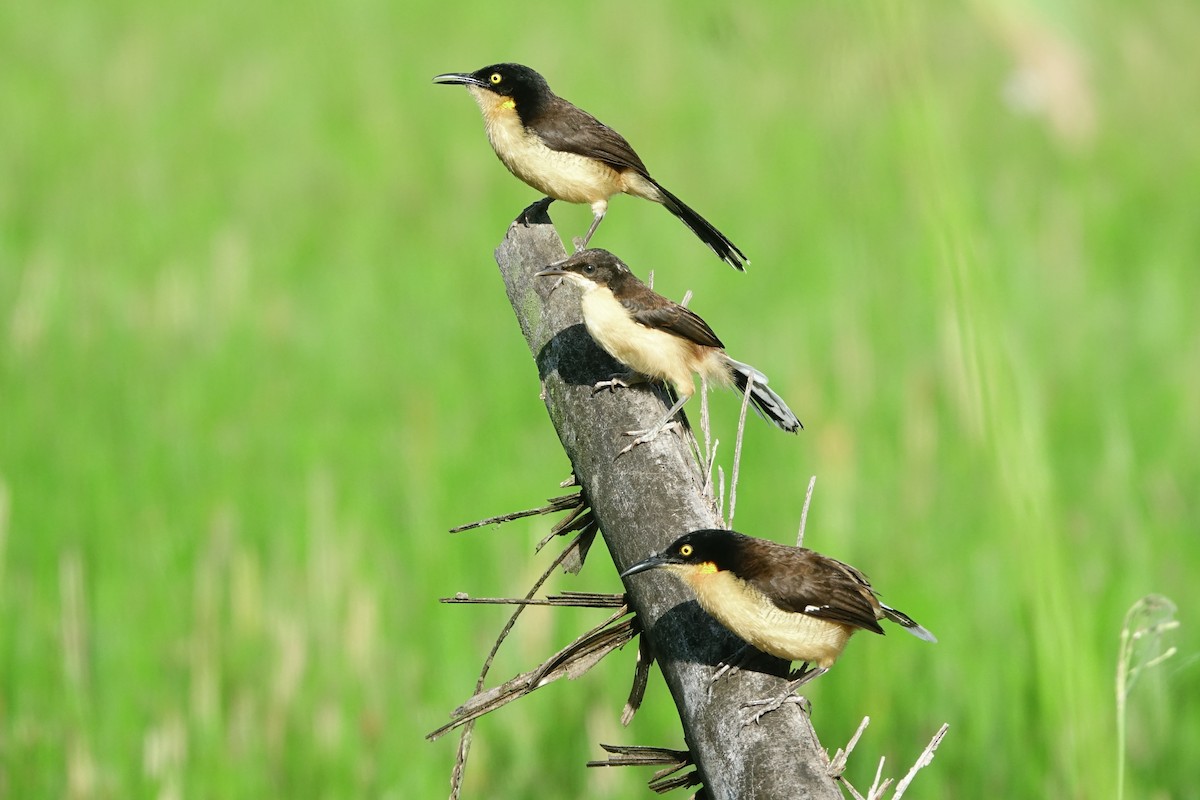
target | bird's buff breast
[
  {"x": 749, "y": 614},
  {"x": 563, "y": 176},
  {"x": 645, "y": 350}
]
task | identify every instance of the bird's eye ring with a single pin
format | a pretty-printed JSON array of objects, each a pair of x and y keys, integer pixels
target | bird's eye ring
[
  {"x": 495, "y": 78},
  {"x": 686, "y": 550}
]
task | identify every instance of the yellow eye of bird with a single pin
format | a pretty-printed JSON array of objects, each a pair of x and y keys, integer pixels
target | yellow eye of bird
[
  {"x": 686, "y": 550},
  {"x": 496, "y": 78}
]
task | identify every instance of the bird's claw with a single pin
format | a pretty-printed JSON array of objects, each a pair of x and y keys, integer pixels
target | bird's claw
[
  {"x": 772, "y": 705},
  {"x": 722, "y": 670},
  {"x": 796, "y": 679},
  {"x": 612, "y": 384},
  {"x": 647, "y": 435},
  {"x": 730, "y": 667},
  {"x": 725, "y": 668}
]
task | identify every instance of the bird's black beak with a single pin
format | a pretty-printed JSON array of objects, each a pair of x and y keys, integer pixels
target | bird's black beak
[
  {"x": 461, "y": 78},
  {"x": 649, "y": 563},
  {"x": 558, "y": 267},
  {"x": 561, "y": 267}
]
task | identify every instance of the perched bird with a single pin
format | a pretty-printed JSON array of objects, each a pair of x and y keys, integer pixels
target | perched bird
[
  {"x": 658, "y": 339},
  {"x": 790, "y": 602},
  {"x": 566, "y": 153}
]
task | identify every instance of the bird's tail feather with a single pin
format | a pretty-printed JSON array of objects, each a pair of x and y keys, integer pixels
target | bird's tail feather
[
  {"x": 908, "y": 623},
  {"x": 765, "y": 400},
  {"x": 719, "y": 242}
]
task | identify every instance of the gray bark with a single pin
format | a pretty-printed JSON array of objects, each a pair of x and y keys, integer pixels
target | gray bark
[{"x": 643, "y": 501}]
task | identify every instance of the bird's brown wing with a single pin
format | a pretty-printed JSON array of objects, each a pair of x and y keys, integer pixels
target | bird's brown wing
[
  {"x": 570, "y": 129},
  {"x": 805, "y": 582},
  {"x": 676, "y": 319}
]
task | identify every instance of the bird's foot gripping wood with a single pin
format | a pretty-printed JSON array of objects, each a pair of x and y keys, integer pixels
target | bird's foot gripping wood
[
  {"x": 648, "y": 435},
  {"x": 666, "y": 423},
  {"x": 730, "y": 666},
  {"x": 775, "y": 704},
  {"x": 619, "y": 380},
  {"x": 797, "y": 679}
]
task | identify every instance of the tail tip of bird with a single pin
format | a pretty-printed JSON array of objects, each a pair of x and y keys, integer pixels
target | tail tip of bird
[
  {"x": 909, "y": 624},
  {"x": 734, "y": 258},
  {"x": 919, "y": 631},
  {"x": 923, "y": 633}
]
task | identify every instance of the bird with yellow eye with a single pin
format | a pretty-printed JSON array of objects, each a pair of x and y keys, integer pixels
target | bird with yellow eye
[
  {"x": 569, "y": 155},
  {"x": 789, "y": 602}
]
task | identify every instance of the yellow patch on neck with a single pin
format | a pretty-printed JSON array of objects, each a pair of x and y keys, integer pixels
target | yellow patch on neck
[
  {"x": 707, "y": 568},
  {"x": 509, "y": 103}
]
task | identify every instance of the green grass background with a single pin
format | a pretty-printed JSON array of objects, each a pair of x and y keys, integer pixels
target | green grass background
[{"x": 255, "y": 360}]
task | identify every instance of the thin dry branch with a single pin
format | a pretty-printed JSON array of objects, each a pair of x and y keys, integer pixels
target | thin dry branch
[
  {"x": 464, "y": 742},
  {"x": 632, "y": 755},
  {"x": 737, "y": 450},
  {"x": 838, "y": 764},
  {"x": 880, "y": 785},
  {"x": 641, "y": 677},
  {"x": 553, "y": 505},
  {"x": 812, "y": 484},
  {"x": 662, "y": 781},
  {"x": 573, "y": 599},
  {"x": 572, "y": 661},
  {"x": 924, "y": 760}
]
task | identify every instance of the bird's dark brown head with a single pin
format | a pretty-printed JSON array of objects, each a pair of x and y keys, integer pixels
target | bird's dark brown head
[
  {"x": 525, "y": 87},
  {"x": 710, "y": 550},
  {"x": 587, "y": 268}
]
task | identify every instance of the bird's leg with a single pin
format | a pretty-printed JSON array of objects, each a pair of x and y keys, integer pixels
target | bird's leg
[
  {"x": 599, "y": 208},
  {"x": 622, "y": 380},
  {"x": 796, "y": 679},
  {"x": 651, "y": 433}
]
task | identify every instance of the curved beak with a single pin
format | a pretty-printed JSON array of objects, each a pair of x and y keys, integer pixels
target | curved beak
[
  {"x": 461, "y": 78},
  {"x": 649, "y": 563}
]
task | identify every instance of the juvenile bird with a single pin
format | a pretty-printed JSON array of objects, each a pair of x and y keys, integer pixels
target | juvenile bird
[
  {"x": 790, "y": 602},
  {"x": 658, "y": 338},
  {"x": 566, "y": 153}
]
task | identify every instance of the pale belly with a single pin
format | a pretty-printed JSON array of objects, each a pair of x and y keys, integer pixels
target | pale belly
[
  {"x": 795, "y": 637},
  {"x": 644, "y": 350},
  {"x": 563, "y": 176}
]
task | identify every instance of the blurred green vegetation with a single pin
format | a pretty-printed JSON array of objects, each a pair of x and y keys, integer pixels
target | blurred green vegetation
[{"x": 255, "y": 360}]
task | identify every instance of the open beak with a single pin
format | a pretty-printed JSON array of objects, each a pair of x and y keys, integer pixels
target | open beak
[{"x": 461, "y": 78}]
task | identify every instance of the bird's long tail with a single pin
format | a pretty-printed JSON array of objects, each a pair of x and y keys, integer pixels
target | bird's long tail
[
  {"x": 766, "y": 402},
  {"x": 719, "y": 242},
  {"x": 909, "y": 624}
]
